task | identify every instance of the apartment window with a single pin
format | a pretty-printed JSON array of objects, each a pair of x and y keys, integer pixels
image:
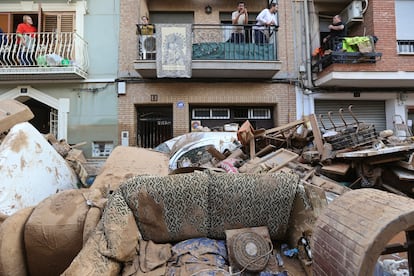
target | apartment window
[
  {"x": 259, "y": 113},
  {"x": 217, "y": 117},
  {"x": 405, "y": 35},
  {"x": 102, "y": 148},
  {"x": 252, "y": 113},
  {"x": 59, "y": 22},
  {"x": 211, "y": 113}
]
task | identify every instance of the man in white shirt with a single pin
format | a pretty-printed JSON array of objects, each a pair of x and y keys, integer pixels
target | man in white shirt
[
  {"x": 239, "y": 17},
  {"x": 264, "y": 21}
]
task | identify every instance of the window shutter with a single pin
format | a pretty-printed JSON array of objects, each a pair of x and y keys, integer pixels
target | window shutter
[
  {"x": 67, "y": 23},
  {"x": 50, "y": 23},
  {"x": 61, "y": 22}
]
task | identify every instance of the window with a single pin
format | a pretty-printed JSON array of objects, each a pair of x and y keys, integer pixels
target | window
[
  {"x": 171, "y": 17},
  {"x": 102, "y": 148},
  {"x": 252, "y": 113},
  {"x": 259, "y": 113},
  {"x": 211, "y": 113},
  {"x": 405, "y": 35},
  {"x": 59, "y": 22},
  {"x": 53, "y": 122}
]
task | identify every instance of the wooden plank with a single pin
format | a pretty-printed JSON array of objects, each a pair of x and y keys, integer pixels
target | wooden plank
[
  {"x": 252, "y": 148},
  {"x": 266, "y": 150},
  {"x": 317, "y": 136},
  {"x": 13, "y": 112},
  {"x": 281, "y": 158},
  {"x": 214, "y": 152},
  {"x": 328, "y": 185},
  {"x": 284, "y": 127},
  {"x": 338, "y": 168},
  {"x": 403, "y": 174}
]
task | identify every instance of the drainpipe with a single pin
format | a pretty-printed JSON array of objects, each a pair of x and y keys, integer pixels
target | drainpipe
[{"x": 307, "y": 46}]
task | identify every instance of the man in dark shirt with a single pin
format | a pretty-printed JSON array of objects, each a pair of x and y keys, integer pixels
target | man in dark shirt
[{"x": 337, "y": 30}]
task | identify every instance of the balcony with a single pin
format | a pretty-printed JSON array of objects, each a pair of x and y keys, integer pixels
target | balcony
[
  {"x": 339, "y": 62},
  {"x": 219, "y": 51},
  {"x": 43, "y": 56}
]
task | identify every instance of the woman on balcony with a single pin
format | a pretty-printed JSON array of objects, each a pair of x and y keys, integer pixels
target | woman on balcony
[{"x": 26, "y": 33}]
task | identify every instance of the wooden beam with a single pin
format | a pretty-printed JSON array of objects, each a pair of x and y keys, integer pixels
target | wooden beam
[{"x": 317, "y": 136}]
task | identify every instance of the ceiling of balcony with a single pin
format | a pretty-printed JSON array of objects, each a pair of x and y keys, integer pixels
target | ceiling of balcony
[
  {"x": 23, "y": 74},
  {"x": 207, "y": 69},
  {"x": 367, "y": 80},
  {"x": 330, "y": 7}
]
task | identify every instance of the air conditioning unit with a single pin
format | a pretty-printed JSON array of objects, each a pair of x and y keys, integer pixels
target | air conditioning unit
[
  {"x": 352, "y": 13},
  {"x": 147, "y": 46}
]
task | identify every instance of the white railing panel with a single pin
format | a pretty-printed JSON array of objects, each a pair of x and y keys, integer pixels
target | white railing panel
[{"x": 44, "y": 49}]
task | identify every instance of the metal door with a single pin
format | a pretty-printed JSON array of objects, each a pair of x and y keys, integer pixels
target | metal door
[{"x": 154, "y": 125}]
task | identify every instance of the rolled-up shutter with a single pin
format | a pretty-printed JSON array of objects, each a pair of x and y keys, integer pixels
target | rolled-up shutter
[{"x": 370, "y": 112}]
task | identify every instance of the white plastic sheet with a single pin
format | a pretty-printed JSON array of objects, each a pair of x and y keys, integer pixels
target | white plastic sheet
[{"x": 30, "y": 169}]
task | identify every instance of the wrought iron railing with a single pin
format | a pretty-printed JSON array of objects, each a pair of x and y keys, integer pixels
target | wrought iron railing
[
  {"x": 362, "y": 50},
  {"x": 44, "y": 49},
  {"x": 221, "y": 42}
]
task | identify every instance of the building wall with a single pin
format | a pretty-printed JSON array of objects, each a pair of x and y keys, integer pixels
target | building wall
[
  {"x": 281, "y": 96},
  {"x": 211, "y": 92},
  {"x": 92, "y": 102},
  {"x": 379, "y": 20},
  {"x": 101, "y": 30}
]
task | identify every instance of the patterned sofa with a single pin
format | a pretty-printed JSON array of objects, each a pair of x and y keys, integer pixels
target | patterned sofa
[{"x": 170, "y": 209}]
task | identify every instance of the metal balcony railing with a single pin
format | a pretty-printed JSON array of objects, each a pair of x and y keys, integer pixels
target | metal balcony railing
[
  {"x": 346, "y": 50},
  {"x": 46, "y": 49},
  {"x": 220, "y": 42}
]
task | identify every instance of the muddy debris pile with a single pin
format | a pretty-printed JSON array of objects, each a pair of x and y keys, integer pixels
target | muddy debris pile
[{"x": 206, "y": 194}]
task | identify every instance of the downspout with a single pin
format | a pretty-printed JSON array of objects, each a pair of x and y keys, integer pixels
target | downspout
[{"x": 307, "y": 46}]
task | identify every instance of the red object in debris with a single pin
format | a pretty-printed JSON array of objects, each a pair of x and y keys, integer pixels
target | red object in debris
[{"x": 228, "y": 165}]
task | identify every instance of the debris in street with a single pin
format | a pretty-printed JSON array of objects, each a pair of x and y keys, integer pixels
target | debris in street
[
  {"x": 31, "y": 169},
  {"x": 13, "y": 112},
  {"x": 151, "y": 207}
]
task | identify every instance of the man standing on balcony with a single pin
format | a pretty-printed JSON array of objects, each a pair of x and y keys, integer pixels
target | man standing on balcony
[
  {"x": 26, "y": 39},
  {"x": 239, "y": 17},
  {"x": 264, "y": 22},
  {"x": 337, "y": 31}
]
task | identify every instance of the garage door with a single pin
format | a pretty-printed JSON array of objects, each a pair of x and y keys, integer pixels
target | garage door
[{"x": 370, "y": 112}]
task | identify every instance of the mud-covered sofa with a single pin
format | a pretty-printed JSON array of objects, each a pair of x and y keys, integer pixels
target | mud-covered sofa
[{"x": 174, "y": 208}]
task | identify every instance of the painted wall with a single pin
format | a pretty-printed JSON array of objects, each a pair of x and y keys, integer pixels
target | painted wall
[{"x": 101, "y": 29}]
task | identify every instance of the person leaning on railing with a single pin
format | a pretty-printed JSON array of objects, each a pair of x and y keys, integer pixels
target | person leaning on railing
[
  {"x": 26, "y": 33},
  {"x": 264, "y": 21}
]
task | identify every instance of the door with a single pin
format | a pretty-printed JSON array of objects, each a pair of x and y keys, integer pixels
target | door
[{"x": 154, "y": 125}]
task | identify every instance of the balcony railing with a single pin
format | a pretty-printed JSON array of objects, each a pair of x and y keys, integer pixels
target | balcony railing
[
  {"x": 346, "y": 50},
  {"x": 43, "y": 50},
  {"x": 220, "y": 42}
]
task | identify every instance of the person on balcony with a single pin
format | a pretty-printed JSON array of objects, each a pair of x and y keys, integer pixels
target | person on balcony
[
  {"x": 337, "y": 32},
  {"x": 26, "y": 34},
  {"x": 146, "y": 39},
  {"x": 239, "y": 17},
  {"x": 145, "y": 28},
  {"x": 264, "y": 22}
]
